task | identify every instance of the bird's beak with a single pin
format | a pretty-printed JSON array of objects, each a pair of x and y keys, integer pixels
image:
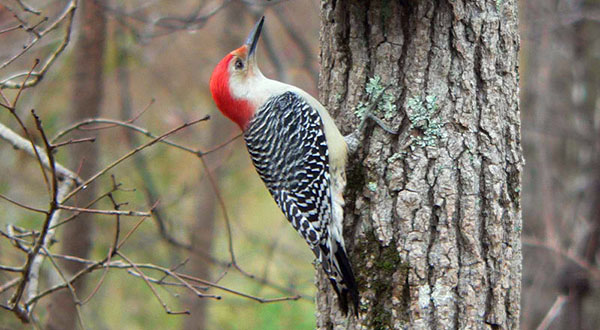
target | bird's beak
[{"x": 252, "y": 40}]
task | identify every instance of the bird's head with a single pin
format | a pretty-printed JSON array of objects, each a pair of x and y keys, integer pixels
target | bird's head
[{"x": 234, "y": 78}]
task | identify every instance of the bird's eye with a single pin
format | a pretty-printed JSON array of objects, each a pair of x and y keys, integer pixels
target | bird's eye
[{"x": 239, "y": 64}]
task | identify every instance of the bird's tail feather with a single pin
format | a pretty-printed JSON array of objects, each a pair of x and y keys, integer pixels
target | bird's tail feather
[{"x": 346, "y": 286}]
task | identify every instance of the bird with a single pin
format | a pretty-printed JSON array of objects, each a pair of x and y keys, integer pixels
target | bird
[{"x": 297, "y": 151}]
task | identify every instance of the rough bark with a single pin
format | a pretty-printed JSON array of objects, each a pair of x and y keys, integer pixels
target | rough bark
[
  {"x": 86, "y": 101},
  {"x": 433, "y": 215}
]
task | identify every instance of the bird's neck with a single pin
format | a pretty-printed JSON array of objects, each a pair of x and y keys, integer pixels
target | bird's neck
[
  {"x": 237, "y": 109},
  {"x": 240, "y": 111}
]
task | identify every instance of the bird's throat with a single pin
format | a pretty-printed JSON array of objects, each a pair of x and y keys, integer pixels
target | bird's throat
[{"x": 240, "y": 111}]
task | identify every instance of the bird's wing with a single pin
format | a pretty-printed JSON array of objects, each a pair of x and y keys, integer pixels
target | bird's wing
[
  {"x": 289, "y": 150},
  {"x": 287, "y": 143}
]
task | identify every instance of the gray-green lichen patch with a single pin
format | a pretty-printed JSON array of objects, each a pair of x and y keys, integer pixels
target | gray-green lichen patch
[
  {"x": 498, "y": 5},
  {"x": 396, "y": 156},
  {"x": 421, "y": 114},
  {"x": 372, "y": 186},
  {"x": 386, "y": 105}
]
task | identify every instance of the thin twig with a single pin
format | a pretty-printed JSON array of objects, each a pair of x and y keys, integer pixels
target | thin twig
[
  {"x": 33, "y": 150},
  {"x": 163, "y": 282},
  {"x": 114, "y": 123},
  {"x": 67, "y": 15},
  {"x": 21, "y": 205},
  {"x": 238, "y": 293},
  {"x": 220, "y": 146},
  {"x": 113, "y": 247},
  {"x": 9, "y": 284},
  {"x": 94, "y": 265},
  {"x": 131, "y": 231},
  {"x": 168, "y": 24},
  {"x": 49, "y": 151},
  {"x": 90, "y": 204},
  {"x": 11, "y": 269},
  {"x": 28, "y": 8},
  {"x": 591, "y": 269},
  {"x": 91, "y": 267},
  {"x": 58, "y": 191},
  {"x": 129, "y": 154},
  {"x": 69, "y": 286},
  {"x": 12, "y": 28},
  {"x": 164, "y": 305},
  {"x": 12, "y": 108},
  {"x": 105, "y": 212},
  {"x": 127, "y": 124},
  {"x": 217, "y": 192},
  {"x": 74, "y": 141},
  {"x": 553, "y": 312}
]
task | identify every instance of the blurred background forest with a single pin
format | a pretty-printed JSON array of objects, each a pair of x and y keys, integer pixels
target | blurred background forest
[{"x": 151, "y": 62}]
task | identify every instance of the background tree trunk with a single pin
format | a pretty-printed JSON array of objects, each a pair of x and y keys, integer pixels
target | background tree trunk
[
  {"x": 86, "y": 101},
  {"x": 562, "y": 138},
  {"x": 433, "y": 215},
  {"x": 202, "y": 235}
]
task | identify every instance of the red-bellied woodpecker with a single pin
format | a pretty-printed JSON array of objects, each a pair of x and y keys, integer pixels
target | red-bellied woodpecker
[{"x": 298, "y": 152}]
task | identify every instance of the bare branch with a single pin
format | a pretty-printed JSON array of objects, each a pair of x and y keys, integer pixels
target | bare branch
[
  {"x": 591, "y": 269},
  {"x": 11, "y": 269},
  {"x": 74, "y": 141},
  {"x": 94, "y": 265},
  {"x": 163, "y": 282},
  {"x": 90, "y": 204},
  {"x": 9, "y": 284},
  {"x": 105, "y": 212},
  {"x": 33, "y": 263},
  {"x": 69, "y": 285},
  {"x": 20, "y": 143},
  {"x": 12, "y": 28},
  {"x": 131, "y": 153},
  {"x": 167, "y": 24},
  {"x": 217, "y": 192},
  {"x": 28, "y": 8},
  {"x": 21, "y": 205},
  {"x": 114, "y": 123},
  {"x": 553, "y": 312},
  {"x": 220, "y": 146},
  {"x": 164, "y": 305},
  {"x": 131, "y": 231},
  {"x": 66, "y": 15}
]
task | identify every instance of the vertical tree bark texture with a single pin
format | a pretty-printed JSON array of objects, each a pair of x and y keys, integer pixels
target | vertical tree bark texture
[
  {"x": 433, "y": 215},
  {"x": 86, "y": 101}
]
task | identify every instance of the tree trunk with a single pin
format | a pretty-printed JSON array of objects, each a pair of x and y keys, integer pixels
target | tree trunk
[
  {"x": 86, "y": 101},
  {"x": 433, "y": 215},
  {"x": 202, "y": 235}
]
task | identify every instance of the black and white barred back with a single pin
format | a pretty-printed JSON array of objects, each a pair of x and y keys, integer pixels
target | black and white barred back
[{"x": 287, "y": 144}]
